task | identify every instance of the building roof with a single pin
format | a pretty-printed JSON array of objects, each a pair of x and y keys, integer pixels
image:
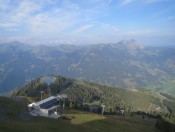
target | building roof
[{"x": 47, "y": 103}]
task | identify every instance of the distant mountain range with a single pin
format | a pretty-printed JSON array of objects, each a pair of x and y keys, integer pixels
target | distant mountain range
[{"x": 126, "y": 64}]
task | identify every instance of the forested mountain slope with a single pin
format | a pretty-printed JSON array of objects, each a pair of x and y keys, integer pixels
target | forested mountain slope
[
  {"x": 126, "y": 64},
  {"x": 80, "y": 92}
]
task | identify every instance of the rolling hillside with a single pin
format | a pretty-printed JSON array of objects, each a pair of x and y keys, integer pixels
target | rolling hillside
[
  {"x": 126, "y": 64},
  {"x": 135, "y": 102},
  {"x": 80, "y": 92},
  {"x": 14, "y": 117}
]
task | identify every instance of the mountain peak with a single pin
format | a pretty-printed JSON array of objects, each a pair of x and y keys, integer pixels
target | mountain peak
[
  {"x": 133, "y": 44},
  {"x": 14, "y": 42}
]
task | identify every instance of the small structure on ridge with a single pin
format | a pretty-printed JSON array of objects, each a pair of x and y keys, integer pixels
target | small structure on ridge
[{"x": 47, "y": 107}]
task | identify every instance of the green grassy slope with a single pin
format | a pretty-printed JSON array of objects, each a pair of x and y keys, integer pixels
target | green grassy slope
[
  {"x": 83, "y": 121},
  {"x": 13, "y": 108}
]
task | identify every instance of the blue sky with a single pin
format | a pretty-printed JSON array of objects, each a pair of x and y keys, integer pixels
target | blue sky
[{"x": 152, "y": 22}]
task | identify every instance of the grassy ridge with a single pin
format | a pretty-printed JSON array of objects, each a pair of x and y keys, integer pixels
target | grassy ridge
[{"x": 84, "y": 92}]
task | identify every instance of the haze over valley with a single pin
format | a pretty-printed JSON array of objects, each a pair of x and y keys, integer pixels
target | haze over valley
[
  {"x": 126, "y": 64},
  {"x": 92, "y": 65}
]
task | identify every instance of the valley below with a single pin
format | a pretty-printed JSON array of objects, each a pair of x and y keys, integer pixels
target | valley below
[
  {"x": 126, "y": 64},
  {"x": 87, "y": 66},
  {"x": 124, "y": 76}
]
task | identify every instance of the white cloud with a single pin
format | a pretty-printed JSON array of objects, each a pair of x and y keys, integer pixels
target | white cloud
[
  {"x": 152, "y": 1},
  {"x": 31, "y": 16},
  {"x": 17, "y": 14},
  {"x": 171, "y": 17},
  {"x": 127, "y": 2},
  {"x": 137, "y": 32},
  {"x": 45, "y": 24},
  {"x": 62, "y": 19},
  {"x": 25, "y": 10},
  {"x": 108, "y": 28},
  {"x": 83, "y": 28},
  {"x": 8, "y": 25},
  {"x": 49, "y": 16},
  {"x": 115, "y": 29}
]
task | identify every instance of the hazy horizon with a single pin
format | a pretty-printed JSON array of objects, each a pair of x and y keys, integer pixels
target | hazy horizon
[{"x": 151, "y": 22}]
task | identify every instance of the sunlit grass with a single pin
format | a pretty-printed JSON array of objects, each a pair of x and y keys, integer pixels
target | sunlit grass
[
  {"x": 82, "y": 122},
  {"x": 83, "y": 117}
]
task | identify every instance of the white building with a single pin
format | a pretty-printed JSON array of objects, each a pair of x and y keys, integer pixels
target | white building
[{"x": 47, "y": 107}]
